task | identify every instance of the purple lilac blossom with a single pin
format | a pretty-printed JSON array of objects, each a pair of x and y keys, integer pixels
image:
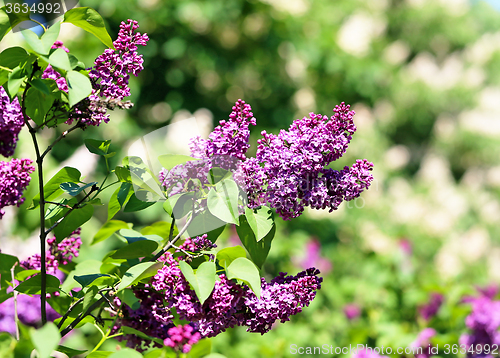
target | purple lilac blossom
[
  {"x": 109, "y": 76},
  {"x": 423, "y": 343},
  {"x": 14, "y": 178},
  {"x": 225, "y": 148},
  {"x": 11, "y": 122},
  {"x": 182, "y": 338},
  {"x": 229, "y": 304},
  {"x": 483, "y": 323},
  {"x": 29, "y": 306},
  {"x": 430, "y": 309},
  {"x": 295, "y": 165},
  {"x": 313, "y": 257},
  {"x": 352, "y": 311}
]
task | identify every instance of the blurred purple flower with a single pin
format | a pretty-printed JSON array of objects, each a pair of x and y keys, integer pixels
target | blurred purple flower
[
  {"x": 406, "y": 246},
  {"x": 367, "y": 353},
  {"x": 352, "y": 311},
  {"x": 313, "y": 258},
  {"x": 483, "y": 322},
  {"x": 430, "y": 309},
  {"x": 423, "y": 341}
]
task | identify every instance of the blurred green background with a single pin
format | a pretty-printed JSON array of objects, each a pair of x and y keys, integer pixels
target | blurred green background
[{"x": 424, "y": 79}]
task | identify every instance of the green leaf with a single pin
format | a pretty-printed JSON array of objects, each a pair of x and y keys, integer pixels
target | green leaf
[
  {"x": 201, "y": 349},
  {"x": 139, "y": 272},
  {"x": 132, "y": 235},
  {"x": 5, "y": 296},
  {"x": 13, "y": 57},
  {"x": 79, "y": 87},
  {"x": 74, "y": 189},
  {"x": 33, "y": 285},
  {"x": 100, "y": 354},
  {"x": 205, "y": 222},
  {"x": 123, "y": 174},
  {"x": 24, "y": 274},
  {"x": 90, "y": 297},
  {"x": 52, "y": 189},
  {"x": 74, "y": 220},
  {"x": 70, "y": 352},
  {"x": 258, "y": 250},
  {"x": 50, "y": 36},
  {"x": 86, "y": 280},
  {"x": 160, "y": 228},
  {"x": 89, "y": 20},
  {"x": 83, "y": 322},
  {"x": 135, "y": 204},
  {"x": 202, "y": 281},
  {"x": 99, "y": 147},
  {"x": 261, "y": 221},
  {"x": 10, "y": 20},
  {"x": 222, "y": 201},
  {"x": 229, "y": 254},
  {"x": 38, "y": 104},
  {"x": 168, "y": 161},
  {"x": 60, "y": 303},
  {"x": 42, "y": 85},
  {"x": 7, "y": 262},
  {"x": 136, "y": 249},
  {"x": 16, "y": 78},
  {"x": 35, "y": 43},
  {"x": 119, "y": 197},
  {"x": 245, "y": 270},
  {"x": 215, "y": 355},
  {"x": 108, "y": 229},
  {"x": 128, "y": 297},
  {"x": 45, "y": 339},
  {"x": 59, "y": 59},
  {"x": 4, "y": 76},
  {"x": 216, "y": 174}
]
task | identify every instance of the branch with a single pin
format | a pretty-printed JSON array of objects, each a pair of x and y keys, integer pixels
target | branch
[
  {"x": 63, "y": 134},
  {"x": 39, "y": 162},
  {"x": 16, "y": 317}
]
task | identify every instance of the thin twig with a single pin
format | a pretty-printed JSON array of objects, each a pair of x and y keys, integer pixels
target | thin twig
[
  {"x": 59, "y": 204},
  {"x": 76, "y": 206},
  {"x": 89, "y": 310},
  {"x": 61, "y": 136},
  {"x": 16, "y": 317}
]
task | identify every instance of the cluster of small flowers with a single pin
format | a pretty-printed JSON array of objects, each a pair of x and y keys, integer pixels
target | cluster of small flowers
[
  {"x": 229, "y": 304},
  {"x": 181, "y": 338},
  {"x": 483, "y": 322},
  {"x": 29, "y": 306},
  {"x": 14, "y": 178},
  {"x": 110, "y": 75},
  {"x": 225, "y": 148},
  {"x": 199, "y": 243},
  {"x": 423, "y": 341},
  {"x": 295, "y": 175},
  {"x": 57, "y": 254},
  {"x": 28, "y": 310},
  {"x": 11, "y": 122}
]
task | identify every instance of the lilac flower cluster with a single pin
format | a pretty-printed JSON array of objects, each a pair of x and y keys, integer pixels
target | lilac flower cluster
[
  {"x": 199, "y": 243},
  {"x": 14, "y": 178},
  {"x": 295, "y": 173},
  {"x": 229, "y": 304},
  {"x": 109, "y": 76},
  {"x": 181, "y": 338},
  {"x": 430, "y": 309},
  {"x": 11, "y": 122},
  {"x": 111, "y": 73},
  {"x": 483, "y": 322},
  {"x": 423, "y": 341},
  {"x": 29, "y": 306},
  {"x": 28, "y": 309},
  {"x": 57, "y": 254},
  {"x": 225, "y": 148}
]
